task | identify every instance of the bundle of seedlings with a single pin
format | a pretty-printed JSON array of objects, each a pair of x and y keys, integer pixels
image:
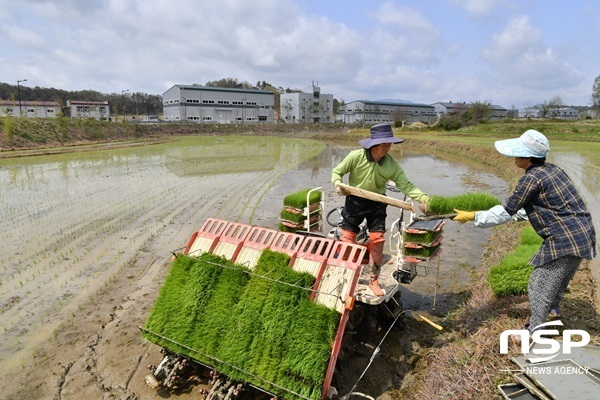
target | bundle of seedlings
[
  {"x": 511, "y": 276},
  {"x": 420, "y": 251},
  {"x": 440, "y": 205},
  {"x": 190, "y": 305},
  {"x": 296, "y": 208},
  {"x": 258, "y": 328},
  {"x": 421, "y": 236},
  {"x": 297, "y": 201},
  {"x": 288, "y": 338}
]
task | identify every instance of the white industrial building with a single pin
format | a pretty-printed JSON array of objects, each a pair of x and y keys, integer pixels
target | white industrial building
[
  {"x": 563, "y": 113},
  {"x": 449, "y": 108},
  {"x": 29, "y": 109},
  {"x": 202, "y": 104},
  {"x": 303, "y": 107},
  {"x": 441, "y": 108},
  {"x": 378, "y": 112},
  {"x": 530, "y": 112},
  {"x": 558, "y": 113},
  {"x": 99, "y": 110}
]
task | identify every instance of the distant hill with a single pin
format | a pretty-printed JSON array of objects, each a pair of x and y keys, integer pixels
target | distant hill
[{"x": 394, "y": 101}]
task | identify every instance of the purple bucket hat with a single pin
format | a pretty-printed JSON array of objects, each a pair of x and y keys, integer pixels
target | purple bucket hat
[
  {"x": 530, "y": 144},
  {"x": 380, "y": 133}
]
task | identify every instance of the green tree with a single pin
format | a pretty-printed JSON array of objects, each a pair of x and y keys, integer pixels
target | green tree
[
  {"x": 480, "y": 111},
  {"x": 551, "y": 108}
]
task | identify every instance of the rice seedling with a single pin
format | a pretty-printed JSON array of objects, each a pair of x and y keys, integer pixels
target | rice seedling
[
  {"x": 419, "y": 251},
  {"x": 440, "y": 205},
  {"x": 423, "y": 237},
  {"x": 286, "y": 215},
  {"x": 530, "y": 237},
  {"x": 511, "y": 276},
  {"x": 264, "y": 325},
  {"x": 298, "y": 199}
]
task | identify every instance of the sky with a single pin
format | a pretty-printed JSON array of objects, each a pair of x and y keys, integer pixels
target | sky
[{"x": 505, "y": 52}]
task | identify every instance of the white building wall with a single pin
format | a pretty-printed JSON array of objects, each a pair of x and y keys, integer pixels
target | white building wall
[
  {"x": 371, "y": 113},
  {"x": 200, "y": 104},
  {"x": 29, "y": 109},
  {"x": 99, "y": 110},
  {"x": 306, "y": 107}
]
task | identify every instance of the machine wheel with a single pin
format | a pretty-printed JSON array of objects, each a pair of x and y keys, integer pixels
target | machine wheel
[{"x": 151, "y": 381}]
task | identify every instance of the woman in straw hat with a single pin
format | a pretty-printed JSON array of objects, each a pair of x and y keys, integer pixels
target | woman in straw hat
[{"x": 546, "y": 196}]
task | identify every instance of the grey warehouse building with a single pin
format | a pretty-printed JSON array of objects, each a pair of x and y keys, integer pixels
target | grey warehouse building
[
  {"x": 377, "y": 112},
  {"x": 202, "y": 104}
]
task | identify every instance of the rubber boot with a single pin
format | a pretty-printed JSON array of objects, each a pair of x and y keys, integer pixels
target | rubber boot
[
  {"x": 375, "y": 247},
  {"x": 348, "y": 236}
]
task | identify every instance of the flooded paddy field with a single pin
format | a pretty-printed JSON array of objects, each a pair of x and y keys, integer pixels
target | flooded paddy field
[{"x": 87, "y": 240}]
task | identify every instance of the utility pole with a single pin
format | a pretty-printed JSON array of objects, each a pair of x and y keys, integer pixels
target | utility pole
[
  {"x": 123, "y": 102},
  {"x": 19, "y": 95}
]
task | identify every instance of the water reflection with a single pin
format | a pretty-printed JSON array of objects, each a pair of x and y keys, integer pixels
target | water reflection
[
  {"x": 581, "y": 161},
  {"x": 70, "y": 222},
  {"x": 222, "y": 158}
]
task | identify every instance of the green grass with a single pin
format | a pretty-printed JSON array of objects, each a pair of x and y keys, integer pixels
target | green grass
[
  {"x": 261, "y": 330},
  {"x": 511, "y": 276},
  {"x": 440, "y": 205}
]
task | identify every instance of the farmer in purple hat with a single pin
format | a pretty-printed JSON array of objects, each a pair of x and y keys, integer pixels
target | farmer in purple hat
[
  {"x": 370, "y": 168},
  {"x": 546, "y": 196}
]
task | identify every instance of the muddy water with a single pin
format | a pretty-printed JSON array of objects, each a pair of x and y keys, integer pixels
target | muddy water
[
  {"x": 581, "y": 161},
  {"x": 71, "y": 224},
  {"x": 461, "y": 246}
]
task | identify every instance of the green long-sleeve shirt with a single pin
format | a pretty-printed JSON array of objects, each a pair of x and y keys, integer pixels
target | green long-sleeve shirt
[{"x": 372, "y": 176}]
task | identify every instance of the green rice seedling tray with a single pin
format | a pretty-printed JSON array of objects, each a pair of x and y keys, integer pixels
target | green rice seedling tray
[
  {"x": 426, "y": 238},
  {"x": 313, "y": 208},
  {"x": 298, "y": 199},
  {"x": 285, "y": 215},
  {"x": 424, "y": 233},
  {"x": 265, "y": 332},
  {"x": 297, "y": 218},
  {"x": 440, "y": 205},
  {"x": 420, "y": 251},
  {"x": 299, "y": 224}
]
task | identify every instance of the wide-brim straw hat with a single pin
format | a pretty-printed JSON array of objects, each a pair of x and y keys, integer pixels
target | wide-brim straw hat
[
  {"x": 530, "y": 144},
  {"x": 380, "y": 133}
]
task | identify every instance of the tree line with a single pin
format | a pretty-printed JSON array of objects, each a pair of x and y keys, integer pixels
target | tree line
[{"x": 131, "y": 102}]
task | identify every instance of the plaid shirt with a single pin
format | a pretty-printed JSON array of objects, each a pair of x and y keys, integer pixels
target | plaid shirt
[{"x": 556, "y": 212}]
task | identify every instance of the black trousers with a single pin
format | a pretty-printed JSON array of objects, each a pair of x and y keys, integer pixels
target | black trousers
[{"x": 356, "y": 209}]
